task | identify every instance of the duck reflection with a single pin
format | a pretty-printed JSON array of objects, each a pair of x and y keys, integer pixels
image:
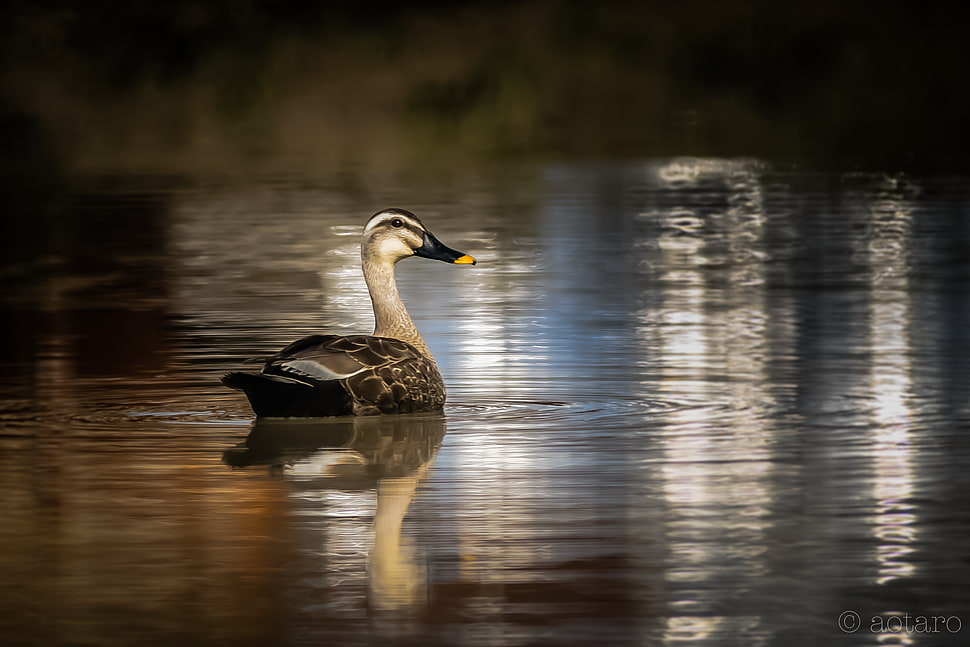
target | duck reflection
[{"x": 337, "y": 468}]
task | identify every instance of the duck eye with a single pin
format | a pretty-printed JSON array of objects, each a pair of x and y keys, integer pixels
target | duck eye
[{"x": 397, "y": 222}]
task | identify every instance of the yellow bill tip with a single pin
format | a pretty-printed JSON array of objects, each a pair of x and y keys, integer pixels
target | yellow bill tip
[{"x": 465, "y": 260}]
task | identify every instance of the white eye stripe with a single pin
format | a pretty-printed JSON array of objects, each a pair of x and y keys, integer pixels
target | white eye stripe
[{"x": 384, "y": 218}]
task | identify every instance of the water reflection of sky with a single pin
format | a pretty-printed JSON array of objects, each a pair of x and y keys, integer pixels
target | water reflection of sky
[
  {"x": 691, "y": 401},
  {"x": 739, "y": 340}
]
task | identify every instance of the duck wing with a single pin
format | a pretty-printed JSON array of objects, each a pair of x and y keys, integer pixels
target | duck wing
[
  {"x": 326, "y": 375},
  {"x": 332, "y": 357}
]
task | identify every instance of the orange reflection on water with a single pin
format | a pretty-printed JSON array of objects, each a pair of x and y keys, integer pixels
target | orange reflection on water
[{"x": 145, "y": 531}]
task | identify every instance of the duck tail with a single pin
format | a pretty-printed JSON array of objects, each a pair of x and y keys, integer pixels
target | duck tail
[{"x": 275, "y": 396}]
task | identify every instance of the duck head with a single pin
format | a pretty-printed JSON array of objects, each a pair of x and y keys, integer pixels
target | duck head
[{"x": 394, "y": 234}]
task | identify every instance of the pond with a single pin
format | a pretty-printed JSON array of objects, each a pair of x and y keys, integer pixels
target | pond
[{"x": 691, "y": 401}]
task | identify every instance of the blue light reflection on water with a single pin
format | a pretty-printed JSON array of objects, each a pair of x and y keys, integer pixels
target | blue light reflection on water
[{"x": 770, "y": 376}]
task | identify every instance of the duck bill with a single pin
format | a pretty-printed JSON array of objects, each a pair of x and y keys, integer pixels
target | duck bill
[{"x": 436, "y": 250}]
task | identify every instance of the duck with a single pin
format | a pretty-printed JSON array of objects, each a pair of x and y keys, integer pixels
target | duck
[{"x": 390, "y": 371}]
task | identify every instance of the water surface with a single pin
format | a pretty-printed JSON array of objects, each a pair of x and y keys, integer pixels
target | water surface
[{"x": 692, "y": 401}]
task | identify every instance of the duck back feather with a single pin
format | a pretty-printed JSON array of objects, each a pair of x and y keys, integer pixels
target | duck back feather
[{"x": 329, "y": 375}]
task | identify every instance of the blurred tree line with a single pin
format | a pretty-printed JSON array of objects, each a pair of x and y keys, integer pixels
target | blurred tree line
[{"x": 151, "y": 84}]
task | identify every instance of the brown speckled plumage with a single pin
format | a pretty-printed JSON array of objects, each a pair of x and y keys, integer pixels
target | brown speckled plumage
[{"x": 391, "y": 371}]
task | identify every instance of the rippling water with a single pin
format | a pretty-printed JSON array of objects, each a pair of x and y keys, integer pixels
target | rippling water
[{"x": 690, "y": 402}]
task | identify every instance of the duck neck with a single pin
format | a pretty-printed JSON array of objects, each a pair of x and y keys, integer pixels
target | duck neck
[{"x": 391, "y": 318}]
